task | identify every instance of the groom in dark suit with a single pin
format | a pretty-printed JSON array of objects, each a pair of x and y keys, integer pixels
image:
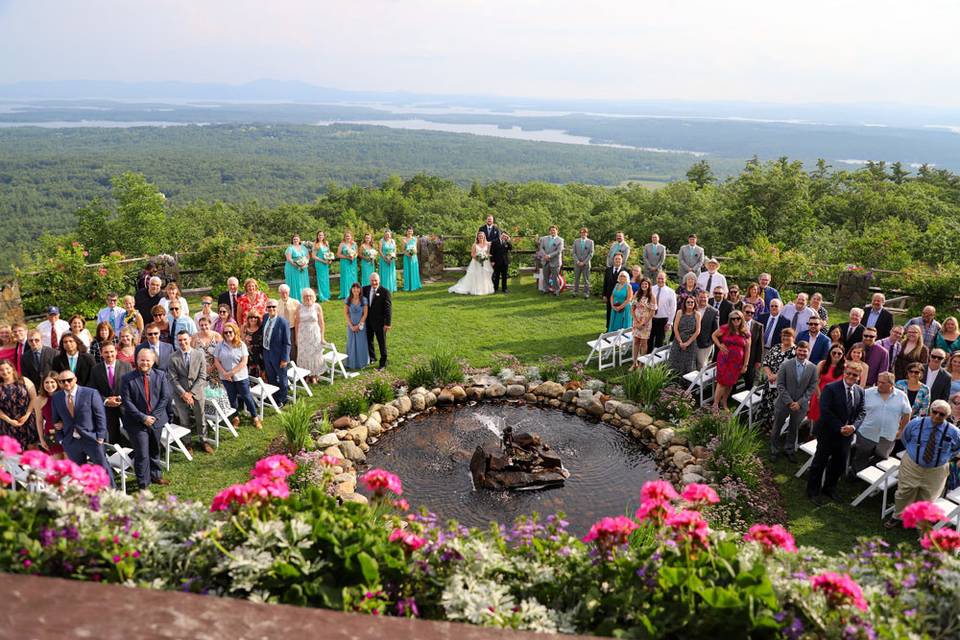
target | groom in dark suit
[
  {"x": 81, "y": 422},
  {"x": 379, "y": 314},
  {"x": 500, "y": 259}
]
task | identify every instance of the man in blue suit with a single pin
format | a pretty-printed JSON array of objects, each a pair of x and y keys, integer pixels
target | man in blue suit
[
  {"x": 276, "y": 349},
  {"x": 81, "y": 422},
  {"x": 819, "y": 343},
  {"x": 146, "y": 398},
  {"x": 161, "y": 350}
]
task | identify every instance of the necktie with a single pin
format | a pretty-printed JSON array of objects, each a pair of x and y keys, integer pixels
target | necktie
[
  {"x": 173, "y": 331},
  {"x": 768, "y": 337},
  {"x": 849, "y": 402},
  {"x": 36, "y": 362},
  {"x": 19, "y": 355},
  {"x": 710, "y": 283},
  {"x": 53, "y": 335},
  {"x": 372, "y": 291},
  {"x": 146, "y": 390},
  {"x": 72, "y": 361},
  {"x": 110, "y": 376},
  {"x": 928, "y": 450},
  {"x": 267, "y": 331},
  {"x": 793, "y": 321},
  {"x": 850, "y": 331},
  {"x": 659, "y": 289},
  {"x": 70, "y": 404},
  {"x": 233, "y": 305}
]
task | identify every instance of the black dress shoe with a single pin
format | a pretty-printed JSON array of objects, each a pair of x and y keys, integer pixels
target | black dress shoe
[
  {"x": 831, "y": 495},
  {"x": 791, "y": 456},
  {"x": 818, "y": 500}
]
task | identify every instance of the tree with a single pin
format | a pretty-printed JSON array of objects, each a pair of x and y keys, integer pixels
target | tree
[
  {"x": 701, "y": 174},
  {"x": 897, "y": 173},
  {"x": 140, "y": 225}
]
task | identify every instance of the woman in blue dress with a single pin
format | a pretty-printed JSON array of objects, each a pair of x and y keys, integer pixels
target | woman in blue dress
[
  {"x": 358, "y": 353},
  {"x": 411, "y": 264},
  {"x": 620, "y": 316},
  {"x": 296, "y": 271},
  {"x": 368, "y": 259},
  {"x": 347, "y": 252},
  {"x": 321, "y": 262},
  {"x": 388, "y": 262}
]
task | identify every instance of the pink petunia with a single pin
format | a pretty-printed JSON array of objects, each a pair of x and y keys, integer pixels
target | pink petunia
[
  {"x": 700, "y": 494},
  {"x": 329, "y": 460},
  {"x": 9, "y": 446},
  {"x": 380, "y": 481},
  {"x": 771, "y": 537},
  {"x": 410, "y": 540},
  {"x": 658, "y": 490},
  {"x": 92, "y": 477},
  {"x": 278, "y": 466},
  {"x": 60, "y": 469},
  {"x": 234, "y": 494},
  {"x": 922, "y": 515},
  {"x": 839, "y": 589},
  {"x": 690, "y": 526},
  {"x": 609, "y": 532},
  {"x": 655, "y": 511},
  {"x": 5, "y": 477},
  {"x": 941, "y": 540},
  {"x": 36, "y": 459}
]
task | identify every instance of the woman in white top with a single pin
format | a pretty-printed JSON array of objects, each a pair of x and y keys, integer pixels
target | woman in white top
[
  {"x": 231, "y": 362},
  {"x": 310, "y": 330},
  {"x": 78, "y": 327}
]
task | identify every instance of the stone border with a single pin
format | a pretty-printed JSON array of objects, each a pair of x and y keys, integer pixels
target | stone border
[{"x": 352, "y": 438}]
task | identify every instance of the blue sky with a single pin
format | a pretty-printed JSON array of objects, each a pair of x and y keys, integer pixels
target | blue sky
[{"x": 814, "y": 51}]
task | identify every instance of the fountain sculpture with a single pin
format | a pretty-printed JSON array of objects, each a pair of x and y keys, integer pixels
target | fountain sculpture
[{"x": 523, "y": 462}]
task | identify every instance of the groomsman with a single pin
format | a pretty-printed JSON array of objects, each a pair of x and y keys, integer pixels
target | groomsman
[
  {"x": 619, "y": 247},
  {"x": 552, "y": 248},
  {"x": 691, "y": 258},
  {"x": 654, "y": 255},
  {"x": 491, "y": 231},
  {"x": 610, "y": 275},
  {"x": 582, "y": 255},
  {"x": 378, "y": 317}
]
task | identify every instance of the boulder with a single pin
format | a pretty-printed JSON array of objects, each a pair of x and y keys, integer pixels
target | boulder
[
  {"x": 679, "y": 439},
  {"x": 418, "y": 391},
  {"x": 388, "y": 413},
  {"x": 569, "y": 395},
  {"x": 327, "y": 440},
  {"x": 553, "y": 402},
  {"x": 610, "y": 406},
  {"x": 625, "y": 409},
  {"x": 352, "y": 452},
  {"x": 517, "y": 380},
  {"x": 364, "y": 447},
  {"x": 693, "y": 468},
  {"x": 496, "y": 390},
  {"x": 664, "y": 436},
  {"x": 343, "y": 422},
  {"x": 640, "y": 420},
  {"x": 649, "y": 432},
  {"x": 445, "y": 397},
  {"x": 346, "y": 483},
  {"x": 529, "y": 397},
  {"x": 374, "y": 429},
  {"x": 354, "y": 497},
  {"x": 358, "y": 434},
  {"x": 431, "y": 398},
  {"x": 515, "y": 390},
  {"x": 584, "y": 395},
  {"x": 702, "y": 453},
  {"x": 549, "y": 389},
  {"x": 459, "y": 395},
  {"x": 435, "y": 391},
  {"x": 690, "y": 478},
  {"x": 581, "y": 412},
  {"x": 682, "y": 458},
  {"x": 334, "y": 451},
  {"x": 474, "y": 393},
  {"x": 418, "y": 402},
  {"x": 672, "y": 449}
]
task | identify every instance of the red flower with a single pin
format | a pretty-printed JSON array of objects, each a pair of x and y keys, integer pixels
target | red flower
[
  {"x": 941, "y": 540},
  {"x": 380, "y": 481},
  {"x": 921, "y": 515},
  {"x": 840, "y": 589},
  {"x": 771, "y": 537}
]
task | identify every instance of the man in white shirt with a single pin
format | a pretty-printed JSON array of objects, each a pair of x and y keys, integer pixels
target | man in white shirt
[
  {"x": 53, "y": 328},
  {"x": 712, "y": 278},
  {"x": 798, "y": 313},
  {"x": 886, "y": 412},
  {"x": 112, "y": 314},
  {"x": 666, "y": 298},
  {"x": 179, "y": 322}
]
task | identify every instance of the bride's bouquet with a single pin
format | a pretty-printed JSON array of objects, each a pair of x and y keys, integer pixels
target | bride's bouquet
[
  {"x": 370, "y": 254},
  {"x": 482, "y": 256}
]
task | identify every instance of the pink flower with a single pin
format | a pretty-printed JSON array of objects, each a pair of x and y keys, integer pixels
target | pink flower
[
  {"x": 102, "y": 272},
  {"x": 839, "y": 589},
  {"x": 329, "y": 460},
  {"x": 235, "y": 494},
  {"x": 690, "y": 525},
  {"x": 92, "y": 477},
  {"x": 278, "y": 466},
  {"x": 771, "y": 537},
  {"x": 401, "y": 504},
  {"x": 700, "y": 494},
  {"x": 36, "y": 459},
  {"x": 9, "y": 446},
  {"x": 611, "y": 532},
  {"x": 408, "y": 539},
  {"x": 655, "y": 511},
  {"x": 658, "y": 490},
  {"x": 380, "y": 481},
  {"x": 921, "y": 515},
  {"x": 5, "y": 477},
  {"x": 60, "y": 469},
  {"x": 941, "y": 540}
]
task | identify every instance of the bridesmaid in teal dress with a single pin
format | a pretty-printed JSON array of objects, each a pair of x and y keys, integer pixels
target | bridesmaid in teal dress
[
  {"x": 322, "y": 264},
  {"x": 411, "y": 264},
  {"x": 347, "y": 252},
  {"x": 388, "y": 262},
  {"x": 367, "y": 266},
  {"x": 296, "y": 271},
  {"x": 620, "y": 316}
]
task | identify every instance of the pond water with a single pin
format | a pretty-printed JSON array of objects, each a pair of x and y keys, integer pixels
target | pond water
[{"x": 431, "y": 454}]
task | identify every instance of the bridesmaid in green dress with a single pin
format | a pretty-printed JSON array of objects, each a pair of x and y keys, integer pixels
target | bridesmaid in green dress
[
  {"x": 296, "y": 271},
  {"x": 347, "y": 252},
  {"x": 368, "y": 259},
  {"x": 322, "y": 257},
  {"x": 411, "y": 264},
  {"x": 388, "y": 262}
]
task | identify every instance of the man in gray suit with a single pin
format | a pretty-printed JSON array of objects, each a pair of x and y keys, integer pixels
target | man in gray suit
[
  {"x": 187, "y": 373},
  {"x": 582, "y": 255},
  {"x": 619, "y": 246},
  {"x": 796, "y": 382},
  {"x": 691, "y": 258},
  {"x": 552, "y": 248},
  {"x": 709, "y": 322},
  {"x": 654, "y": 255}
]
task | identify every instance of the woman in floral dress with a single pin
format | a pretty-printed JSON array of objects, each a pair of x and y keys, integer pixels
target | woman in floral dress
[
  {"x": 771, "y": 366},
  {"x": 644, "y": 308},
  {"x": 310, "y": 329},
  {"x": 16, "y": 415}
]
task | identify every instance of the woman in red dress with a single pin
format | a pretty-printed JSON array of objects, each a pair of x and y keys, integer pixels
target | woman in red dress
[
  {"x": 830, "y": 370},
  {"x": 733, "y": 342}
]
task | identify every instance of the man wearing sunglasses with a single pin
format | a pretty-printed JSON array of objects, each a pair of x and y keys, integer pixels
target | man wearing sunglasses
[
  {"x": 930, "y": 443},
  {"x": 841, "y": 407},
  {"x": 161, "y": 350},
  {"x": 935, "y": 377},
  {"x": 81, "y": 422}
]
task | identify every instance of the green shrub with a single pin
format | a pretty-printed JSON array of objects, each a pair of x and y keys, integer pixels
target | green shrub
[
  {"x": 323, "y": 426},
  {"x": 296, "y": 421},
  {"x": 421, "y": 376},
  {"x": 379, "y": 391},
  {"x": 645, "y": 385},
  {"x": 762, "y": 256},
  {"x": 550, "y": 368},
  {"x": 734, "y": 451},
  {"x": 220, "y": 256},
  {"x": 446, "y": 368},
  {"x": 674, "y": 405},
  {"x": 350, "y": 404},
  {"x": 703, "y": 427},
  {"x": 934, "y": 286}
]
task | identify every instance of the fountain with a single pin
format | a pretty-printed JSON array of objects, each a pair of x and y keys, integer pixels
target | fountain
[{"x": 522, "y": 463}]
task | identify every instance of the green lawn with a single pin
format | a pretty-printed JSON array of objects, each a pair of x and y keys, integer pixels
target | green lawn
[{"x": 482, "y": 331}]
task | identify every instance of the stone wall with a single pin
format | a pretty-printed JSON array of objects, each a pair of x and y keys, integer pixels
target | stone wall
[
  {"x": 11, "y": 309},
  {"x": 431, "y": 258}
]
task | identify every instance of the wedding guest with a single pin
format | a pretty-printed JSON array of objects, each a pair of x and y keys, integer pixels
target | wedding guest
[
  {"x": 146, "y": 299},
  {"x": 912, "y": 349},
  {"x": 688, "y": 289},
  {"x": 691, "y": 258},
  {"x": 38, "y": 361},
  {"x": 636, "y": 275},
  {"x": 620, "y": 315},
  {"x": 322, "y": 259},
  {"x": 654, "y": 257},
  {"x": 253, "y": 339},
  {"x": 552, "y": 247},
  {"x": 145, "y": 397},
  {"x": 816, "y": 305},
  {"x": 666, "y": 300},
  {"x": 755, "y": 297},
  {"x": 886, "y": 411},
  {"x": 347, "y": 253},
  {"x": 179, "y": 322},
  {"x": 733, "y": 343},
  {"x": 252, "y": 301},
  {"x": 215, "y": 395},
  {"x": 17, "y": 419},
  {"x": 841, "y": 407},
  {"x": 819, "y": 343},
  {"x": 106, "y": 378},
  {"x": 722, "y": 305},
  {"x": 378, "y": 318},
  {"x": 829, "y": 370},
  {"x": 490, "y": 230},
  {"x": 618, "y": 248},
  {"x": 53, "y": 328},
  {"x": 149, "y": 270},
  {"x": 797, "y": 313},
  {"x": 132, "y": 318},
  {"x": 206, "y": 311},
  {"x": 855, "y": 354},
  {"x": 611, "y": 276},
  {"x": 835, "y": 335},
  {"x": 289, "y": 310},
  {"x": 310, "y": 331},
  {"x": 73, "y": 357},
  {"x": 712, "y": 277},
  {"x": 936, "y": 377},
  {"x": 953, "y": 368},
  {"x": 851, "y": 332},
  {"x": 8, "y": 347},
  {"x": 878, "y": 317},
  {"x": 927, "y": 322},
  {"x": 892, "y": 343},
  {"x": 796, "y": 383},
  {"x": 172, "y": 295},
  {"x": 296, "y": 265},
  {"x": 43, "y": 417},
  {"x": 388, "y": 262},
  {"x": 709, "y": 322},
  {"x": 81, "y": 420},
  {"x": 643, "y": 308},
  {"x": 582, "y": 255},
  {"x": 161, "y": 350},
  {"x": 774, "y": 323},
  {"x": 875, "y": 356},
  {"x": 686, "y": 328},
  {"x": 223, "y": 317},
  {"x": 948, "y": 338},
  {"x": 205, "y": 338},
  {"x": 500, "y": 260},
  {"x": 187, "y": 375},
  {"x": 755, "y": 330},
  {"x": 230, "y": 298},
  {"x": 112, "y": 314},
  {"x": 356, "y": 309},
  {"x": 769, "y": 292},
  {"x": 126, "y": 346},
  {"x": 105, "y": 336},
  {"x": 368, "y": 259},
  {"x": 231, "y": 360},
  {"x": 159, "y": 315},
  {"x": 733, "y": 297},
  {"x": 773, "y": 358},
  {"x": 21, "y": 346},
  {"x": 411, "y": 265},
  {"x": 917, "y": 392},
  {"x": 275, "y": 338}
]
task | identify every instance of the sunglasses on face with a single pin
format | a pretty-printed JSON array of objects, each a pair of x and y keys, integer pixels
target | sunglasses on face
[
  {"x": 158, "y": 315},
  {"x": 748, "y": 313},
  {"x": 271, "y": 306},
  {"x": 936, "y": 357},
  {"x": 152, "y": 335},
  {"x": 942, "y": 414},
  {"x": 869, "y": 337},
  {"x": 228, "y": 333},
  {"x": 66, "y": 380}
]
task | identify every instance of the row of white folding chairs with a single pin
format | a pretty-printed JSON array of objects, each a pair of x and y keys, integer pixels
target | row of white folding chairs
[{"x": 607, "y": 345}]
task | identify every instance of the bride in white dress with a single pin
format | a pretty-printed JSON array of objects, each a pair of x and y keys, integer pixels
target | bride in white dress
[{"x": 479, "y": 278}]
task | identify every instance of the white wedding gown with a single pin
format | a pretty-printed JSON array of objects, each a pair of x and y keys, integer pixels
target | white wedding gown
[{"x": 479, "y": 279}]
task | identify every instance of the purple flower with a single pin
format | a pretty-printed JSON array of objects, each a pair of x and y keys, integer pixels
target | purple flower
[{"x": 47, "y": 537}]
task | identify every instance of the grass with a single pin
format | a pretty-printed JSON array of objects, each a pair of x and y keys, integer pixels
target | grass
[{"x": 481, "y": 331}]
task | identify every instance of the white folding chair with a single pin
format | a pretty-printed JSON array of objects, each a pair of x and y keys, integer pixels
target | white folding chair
[
  {"x": 606, "y": 344},
  {"x": 12, "y": 466},
  {"x": 748, "y": 399},
  {"x": 625, "y": 342},
  {"x": 334, "y": 360},
  {"x": 217, "y": 419},
  {"x": 950, "y": 504},
  {"x": 880, "y": 478},
  {"x": 172, "y": 436},
  {"x": 120, "y": 462},
  {"x": 701, "y": 380},
  {"x": 656, "y": 356},
  {"x": 263, "y": 392},
  {"x": 297, "y": 377},
  {"x": 809, "y": 448}
]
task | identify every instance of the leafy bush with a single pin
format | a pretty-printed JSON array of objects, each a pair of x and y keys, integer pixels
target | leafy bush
[
  {"x": 220, "y": 257},
  {"x": 674, "y": 405},
  {"x": 421, "y": 376},
  {"x": 350, "y": 404},
  {"x": 446, "y": 368},
  {"x": 734, "y": 451},
  {"x": 763, "y": 256},
  {"x": 297, "y": 423},
  {"x": 936, "y": 286},
  {"x": 550, "y": 368},
  {"x": 645, "y": 385},
  {"x": 379, "y": 391},
  {"x": 703, "y": 427}
]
